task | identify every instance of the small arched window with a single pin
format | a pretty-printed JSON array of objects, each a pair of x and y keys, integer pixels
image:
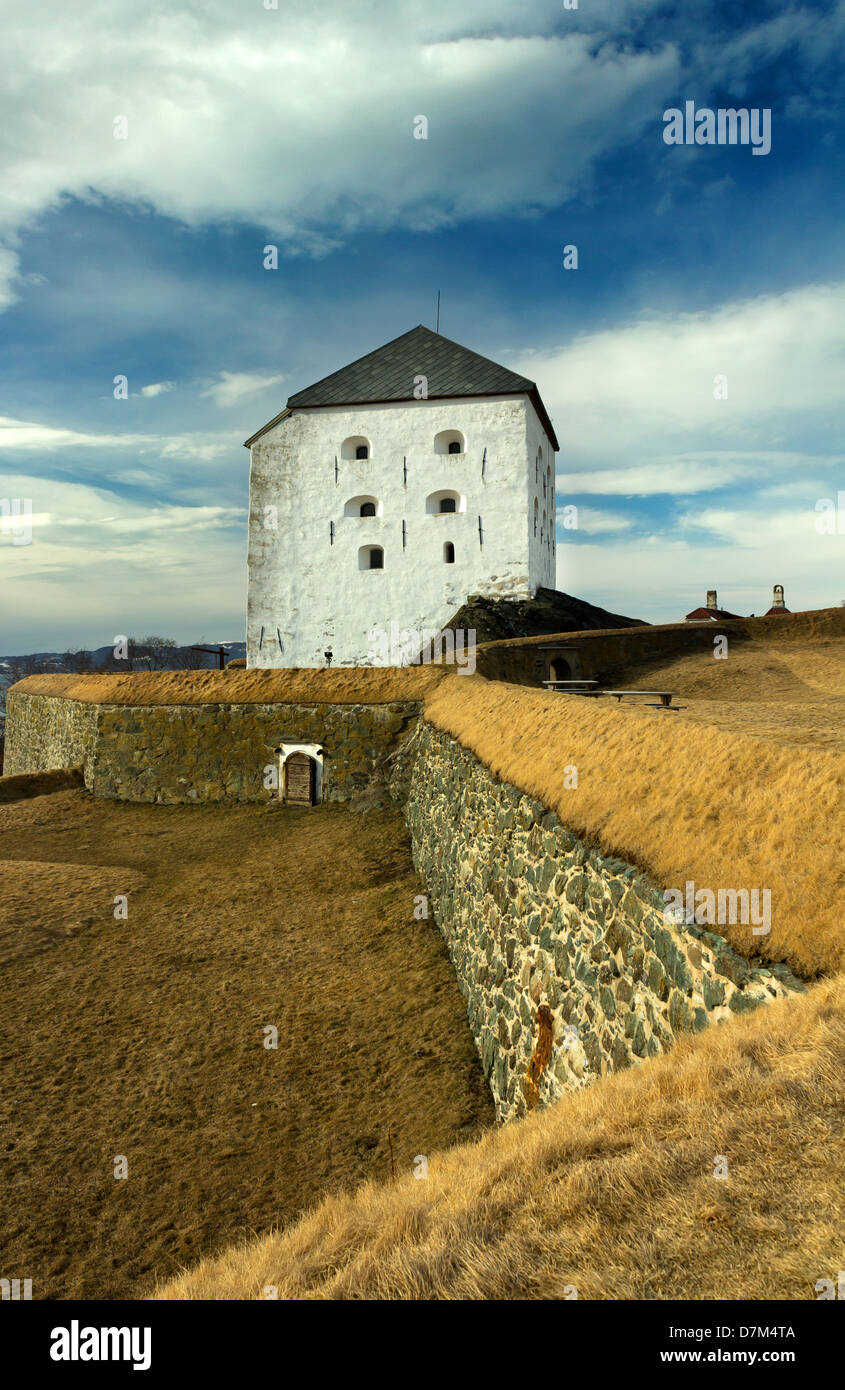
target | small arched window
[
  {"x": 363, "y": 505},
  {"x": 448, "y": 553},
  {"x": 371, "y": 557},
  {"x": 536, "y": 511},
  {"x": 449, "y": 442},
  {"x": 444, "y": 501},
  {"x": 357, "y": 446}
]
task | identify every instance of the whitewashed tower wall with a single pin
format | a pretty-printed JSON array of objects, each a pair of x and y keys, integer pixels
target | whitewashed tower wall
[{"x": 306, "y": 586}]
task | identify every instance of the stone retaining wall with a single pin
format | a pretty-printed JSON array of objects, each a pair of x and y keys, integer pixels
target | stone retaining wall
[
  {"x": 568, "y": 966},
  {"x": 211, "y": 752},
  {"x": 43, "y": 734}
]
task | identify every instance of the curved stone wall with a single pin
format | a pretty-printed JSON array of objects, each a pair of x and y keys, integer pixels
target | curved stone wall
[
  {"x": 200, "y": 752},
  {"x": 568, "y": 965}
]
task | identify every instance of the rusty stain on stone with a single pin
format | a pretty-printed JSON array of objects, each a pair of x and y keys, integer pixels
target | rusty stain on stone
[{"x": 542, "y": 1053}]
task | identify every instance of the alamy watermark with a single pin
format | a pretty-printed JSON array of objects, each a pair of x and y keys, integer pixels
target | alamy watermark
[
  {"x": 726, "y": 126},
  {"x": 16, "y": 519},
  {"x": 726, "y": 906},
  {"x": 426, "y": 646}
]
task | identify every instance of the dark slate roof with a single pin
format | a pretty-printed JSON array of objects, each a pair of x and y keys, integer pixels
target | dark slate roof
[{"x": 387, "y": 374}]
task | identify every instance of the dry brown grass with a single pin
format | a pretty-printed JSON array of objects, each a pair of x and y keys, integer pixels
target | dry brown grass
[
  {"x": 342, "y": 686},
  {"x": 145, "y": 1037},
  {"x": 612, "y": 1190},
  {"x": 791, "y": 692},
  {"x": 717, "y": 807}
]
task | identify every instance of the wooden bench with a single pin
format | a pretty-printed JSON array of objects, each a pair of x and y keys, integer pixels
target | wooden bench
[
  {"x": 663, "y": 696},
  {"x": 574, "y": 687}
]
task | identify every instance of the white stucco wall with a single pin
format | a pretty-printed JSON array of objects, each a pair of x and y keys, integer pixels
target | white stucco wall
[{"x": 312, "y": 590}]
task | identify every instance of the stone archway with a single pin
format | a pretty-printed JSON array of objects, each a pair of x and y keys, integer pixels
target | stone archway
[{"x": 560, "y": 669}]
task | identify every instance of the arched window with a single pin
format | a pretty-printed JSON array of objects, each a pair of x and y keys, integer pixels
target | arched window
[
  {"x": 363, "y": 505},
  {"x": 444, "y": 501},
  {"x": 536, "y": 512},
  {"x": 357, "y": 446},
  {"x": 371, "y": 557},
  {"x": 448, "y": 553},
  {"x": 449, "y": 442}
]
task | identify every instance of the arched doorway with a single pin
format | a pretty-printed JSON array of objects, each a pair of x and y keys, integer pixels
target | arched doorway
[{"x": 560, "y": 669}]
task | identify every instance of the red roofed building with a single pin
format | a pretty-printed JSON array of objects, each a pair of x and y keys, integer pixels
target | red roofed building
[{"x": 712, "y": 613}]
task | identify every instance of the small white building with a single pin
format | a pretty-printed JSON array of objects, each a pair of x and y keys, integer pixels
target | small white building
[{"x": 389, "y": 492}]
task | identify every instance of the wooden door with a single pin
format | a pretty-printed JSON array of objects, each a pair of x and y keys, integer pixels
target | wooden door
[{"x": 299, "y": 780}]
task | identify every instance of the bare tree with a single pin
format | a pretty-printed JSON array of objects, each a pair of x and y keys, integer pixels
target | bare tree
[
  {"x": 81, "y": 662},
  {"x": 160, "y": 651}
]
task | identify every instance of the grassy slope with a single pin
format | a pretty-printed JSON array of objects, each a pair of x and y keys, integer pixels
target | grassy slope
[
  {"x": 724, "y": 809},
  {"x": 611, "y": 1190}
]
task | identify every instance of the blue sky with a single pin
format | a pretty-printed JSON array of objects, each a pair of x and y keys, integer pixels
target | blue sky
[{"x": 293, "y": 126}]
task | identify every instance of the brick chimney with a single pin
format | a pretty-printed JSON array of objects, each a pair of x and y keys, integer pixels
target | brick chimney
[{"x": 711, "y": 598}]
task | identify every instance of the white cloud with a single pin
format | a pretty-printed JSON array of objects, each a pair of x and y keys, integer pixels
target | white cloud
[
  {"x": 157, "y": 388},
  {"x": 300, "y": 120},
  {"x": 24, "y": 434},
  {"x": 237, "y": 386},
  {"x": 742, "y": 552},
  {"x": 123, "y": 565},
  {"x": 635, "y": 406},
  {"x": 592, "y": 522}
]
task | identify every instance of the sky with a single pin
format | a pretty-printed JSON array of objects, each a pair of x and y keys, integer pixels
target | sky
[{"x": 692, "y": 362}]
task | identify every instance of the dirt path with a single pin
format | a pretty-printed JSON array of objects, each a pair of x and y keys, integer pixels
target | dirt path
[{"x": 144, "y": 1038}]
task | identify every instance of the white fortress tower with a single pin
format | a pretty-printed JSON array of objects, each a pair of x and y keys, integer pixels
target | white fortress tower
[{"x": 389, "y": 492}]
